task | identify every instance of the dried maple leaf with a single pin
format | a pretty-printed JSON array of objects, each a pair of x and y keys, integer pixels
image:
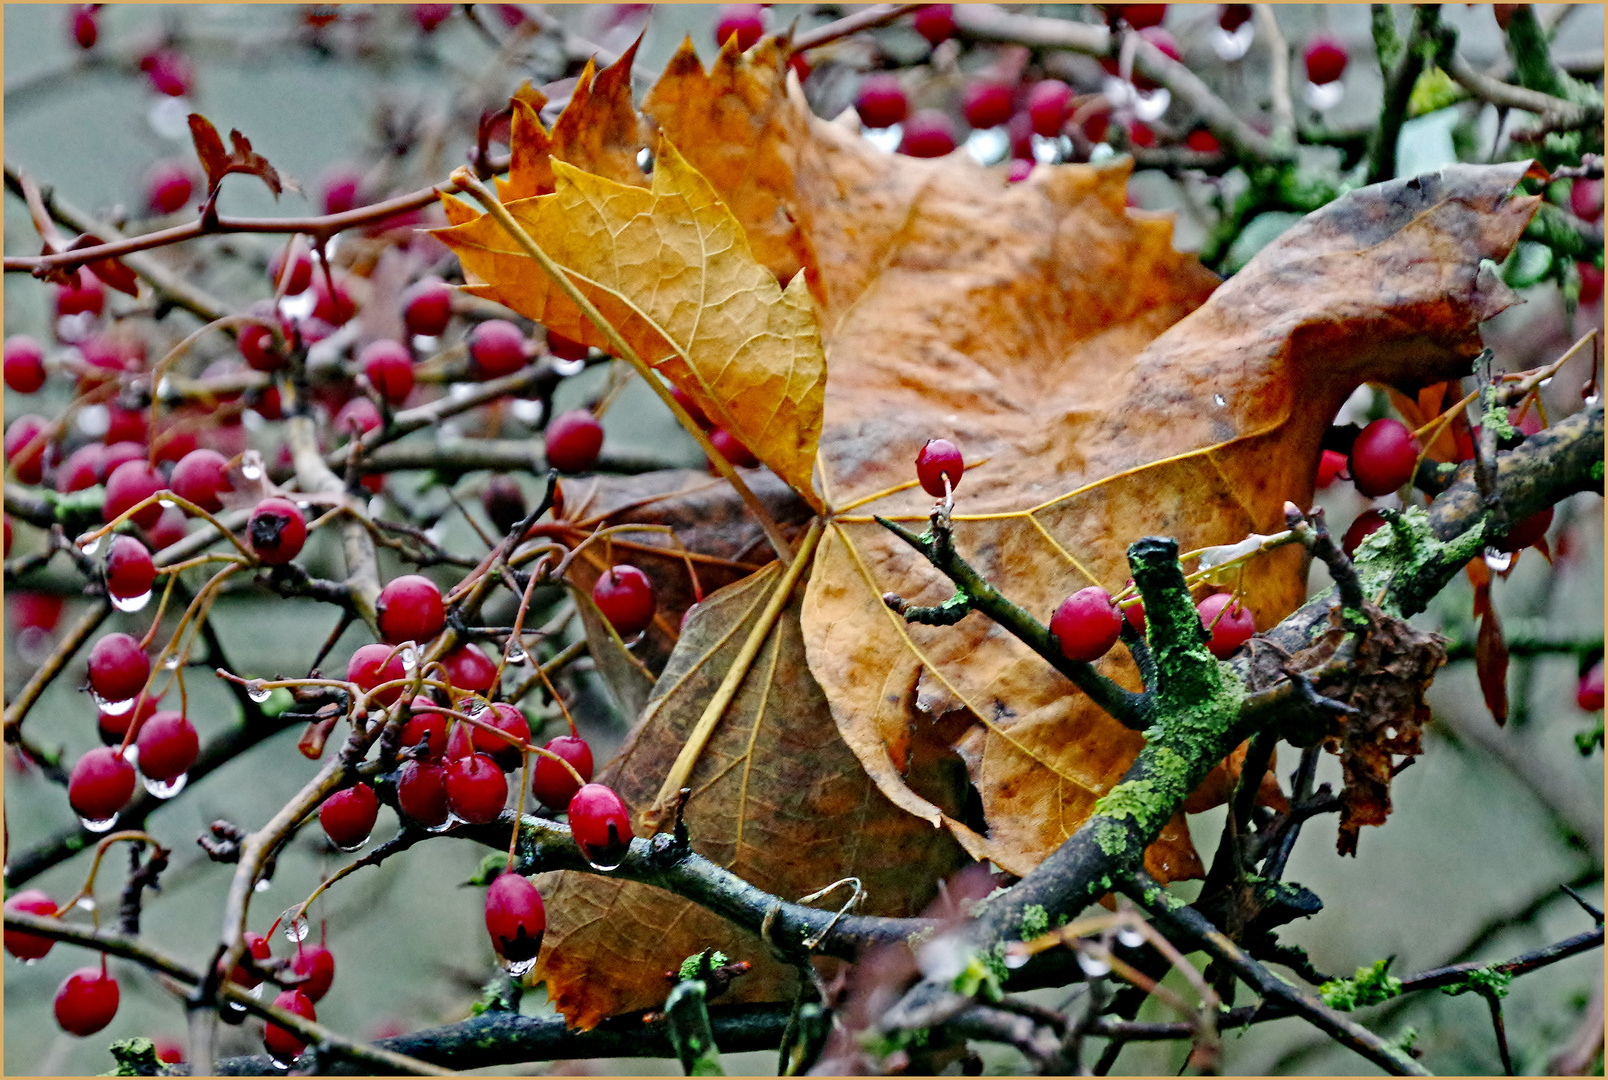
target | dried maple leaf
[
  {"x": 670, "y": 268},
  {"x": 777, "y": 798}
]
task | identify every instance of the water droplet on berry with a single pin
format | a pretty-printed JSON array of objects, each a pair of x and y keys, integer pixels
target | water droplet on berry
[
  {"x": 410, "y": 657},
  {"x": 1149, "y": 105},
  {"x": 1589, "y": 399},
  {"x": 1015, "y": 958},
  {"x": 114, "y": 708},
  {"x": 166, "y": 504},
  {"x": 885, "y": 139},
  {"x": 251, "y": 471},
  {"x": 528, "y": 413},
  {"x": 132, "y": 603},
  {"x": 1498, "y": 561},
  {"x": 988, "y": 145},
  {"x": 169, "y": 117},
  {"x": 103, "y": 825},
  {"x": 1093, "y": 966},
  {"x": 91, "y": 547},
  {"x": 424, "y": 344},
  {"x": 618, "y": 853},
  {"x": 263, "y": 885},
  {"x": 352, "y": 847},
  {"x": 1130, "y": 937},
  {"x": 296, "y": 931},
  {"x": 302, "y": 304},
  {"x": 131, "y": 754},
  {"x": 519, "y": 968},
  {"x": 1324, "y": 96},
  {"x": 166, "y": 789},
  {"x": 257, "y": 692},
  {"x": 444, "y": 826},
  {"x": 566, "y": 368},
  {"x": 94, "y": 420},
  {"x": 1231, "y": 45},
  {"x": 30, "y": 962}
]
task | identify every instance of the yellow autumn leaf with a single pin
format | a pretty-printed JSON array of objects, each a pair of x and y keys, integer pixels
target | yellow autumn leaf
[{"x": 671, "y": 269}]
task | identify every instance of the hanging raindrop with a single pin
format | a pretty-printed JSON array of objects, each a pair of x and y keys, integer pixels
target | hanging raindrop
[
  {"x": 1231, "y": 45},
  {"x": 296, "y": 931},
  {"x": 131, "y": 754},
  {"x": 257, "y": 692},
  {"x": 1130, "y": 937},
  {"x": 1016, "y": 957},
  {"x": 410, "y": 657},
  {"x": 166, "y": 504},
  {"x": 519, "y": 968},
  {"x": 263, "y": 885},
  {"x": 1149, "y": 105},
  {"x": 171, "y": 663},
  {"x": 885, "y": 139},
  {"x": 1093, "y": 966},
  {"x": 91, "y": 547},
  {"x": 1498, "y": 561},
  {"x": 87, "y": 903},
  {"x": 516, "y": 654},
  {"x": 618, "y": 854},
  {"x": 526, "y": 412},
  {"x": 251, "y": 465},
  {"x": 103, "y": 825},
  {"x": 132, "y": 603},
  {"x": 1324, "y": 96},
  {"x": 166, "y": 789},
  {"x": 566, "y": 368},
  {"x": 114, "y": 708}
]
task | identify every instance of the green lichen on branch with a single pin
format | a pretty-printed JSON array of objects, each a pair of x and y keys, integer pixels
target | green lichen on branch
[
  {"x": 135, "y": 1057},
  {"x": 1035, "y": 922},
  {"x": 1369, "y": 986},
  {"x": 1489, "y": 981},
  {"x": 1403, "y": 562}
]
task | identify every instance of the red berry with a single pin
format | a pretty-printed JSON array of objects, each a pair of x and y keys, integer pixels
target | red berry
[
  {"x": 1018, "y": 171},
  {"x": 168, "y": 530},
  {"x": 427, "y": 727},
  {"x": 200, "y": 477},
  {"x": 359, "y": 413},
  {"x": 936, "y": 23},
  {"x": 112, "y": 728},
  {"x": 315, "y": 965},
  {"x": 118, "y": 667},
  {"x": 32, "y": 946},
  {"x": 256, "y": 344},
  {"x": 335, "y": 308},
  {"x": 100, "y": 784},
  {"x": 1524, "y": 533},
  {"x": 168, "y": 187},
  {"x": 283, "y": 1045},
  {"x": 1233, "y": 16},
  {"x": 26, "y": 440},
  {"x": 515, "y": 918},
  {"x": 1331, "y": 465},
  {"x": 746, "y": 21},
  {"x": 476, "y": 788},
  {"x": 427, "y": 306},
  {"x": 421, "y": 792},
  {"x": 128, "y": 485},
  {"x": 504, "y": 502},
  {"x": 169, "y": 72},
  {"x": 348, "y": 816},
  {"x": 301, "y": 269},
  {"x": 129, "y": 570},
  {"x": 86, "y": 1002},
  {"x": 551, "y": 782},
  {"x": 573, "y": 440},
  {"x": 389, "y": 369},
  {"x": 1048, "y": 104},
  {"x": 692, "y": 408},
  {"x": 410, "y": 609},
  {"x": 168, "y": 746},
  {"x": 124, "y": 425},
  {"x": 8, "y": 536},
  {"x": 497, "y": 348},
  {"x": 507, "y": 718},
  {"x": 460, "y": 742},
  {"x": 984, "y": 104},
  {"x": 928, "y": 134},
  {"x": 340, "y": 185},
  {"x": 600, "y": 824},
  {"x": 882, "y": 102},
  {"x": 625, "y": 597},
  {"x": 566, "y": 348},
  {"x": 173, "y": 443},
  {"x": 116, "y": 454},
  {"x": 257, "y": 946},
  {"x": 86, "y": 296},
  {"x": 276, "y": 531},
  {"x": 800, "y": 65},
  {"x": 1590, "y": 282},
  {"x": 1588, "y": 696},
  {"x": 369, "y": 667},
  {"x": 1087, "y": 624},
  {"x": 1364, "y": 526},
  {"x": 84, "y": 29},
  {"x": 24, "y": 364},
  {"x": 168, "y": 1051},
  {"x": 1585, "y": 199},
  {"x": 939, "y": 458},
  {"x": 1143, "y": 16},
  {"x": 1325, "y": 59},
  {"x": 732, "y": 449},
  {"x": 429, "y": 16},
  {"x": 1202, "y": 141},
  {"x": 1232, "y": 630},
  {"x": 83, "y": 468},
  {"x": 1383, "y": 457},
  {"x": 470, "y": 670}
]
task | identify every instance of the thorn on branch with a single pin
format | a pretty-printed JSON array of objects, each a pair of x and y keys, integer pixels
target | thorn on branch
[
  {"x": 140, "y": 878},
  {"x": 1314, "y": 532}
]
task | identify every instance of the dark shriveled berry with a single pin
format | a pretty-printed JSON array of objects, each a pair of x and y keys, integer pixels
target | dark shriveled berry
[{"x": 277, "y": 530}]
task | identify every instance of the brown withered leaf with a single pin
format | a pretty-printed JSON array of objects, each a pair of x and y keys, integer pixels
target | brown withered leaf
[
  {"x": 1395, "y": 663},
  {"x": 670, "y": 268},
  {"x": 1490, "y": 646},
  {"x": 777, "y": 798},
  {"x": 218, "y": 162}
]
